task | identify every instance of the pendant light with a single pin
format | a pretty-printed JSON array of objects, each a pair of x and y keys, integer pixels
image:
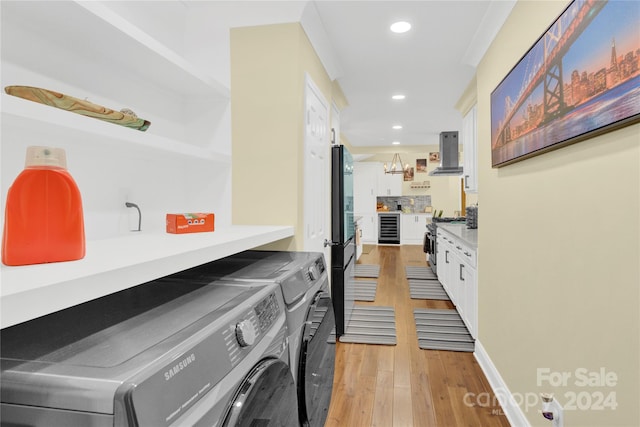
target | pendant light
[{"x": 396, "y": 165}]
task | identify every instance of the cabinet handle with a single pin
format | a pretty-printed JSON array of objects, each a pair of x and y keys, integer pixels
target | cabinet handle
[
  {"x": 446, "y": 256},
  {"x": 468, "y": 254},
  {"x": 461, "y": 267},
  {"x": 466, "y": 181},
  {"x": 459, "y": 248}
]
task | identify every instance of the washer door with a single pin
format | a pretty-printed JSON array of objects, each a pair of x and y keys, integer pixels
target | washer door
[
  {"x": 317, "y": 361},
  {"x": 266, "y": 397}
]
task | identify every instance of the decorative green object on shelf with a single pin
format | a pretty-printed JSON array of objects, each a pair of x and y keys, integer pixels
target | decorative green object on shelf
[{"x": 126, "y": 117}]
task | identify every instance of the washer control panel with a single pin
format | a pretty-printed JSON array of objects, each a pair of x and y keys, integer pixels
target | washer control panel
[
  {"x": 248, "y": 329},
  {"x": 246, "y": 333},
  {"x": 267, "y": 311}
]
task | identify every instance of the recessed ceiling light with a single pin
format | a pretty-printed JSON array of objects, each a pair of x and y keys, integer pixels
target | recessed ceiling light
[
  {"x": 400, "y": 27},
  {"x": 398, "y": 97},
  {"x": 396, "y": 127},
  {"x": 396, "y": 142}
]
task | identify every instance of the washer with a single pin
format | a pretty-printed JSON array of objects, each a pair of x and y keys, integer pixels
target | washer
[
  {"x": 165, "y": 353},
  {"x": 303, "y": 278}
]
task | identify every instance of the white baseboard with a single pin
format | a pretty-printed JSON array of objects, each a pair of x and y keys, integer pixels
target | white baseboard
[{"x": 512, "y": 411}]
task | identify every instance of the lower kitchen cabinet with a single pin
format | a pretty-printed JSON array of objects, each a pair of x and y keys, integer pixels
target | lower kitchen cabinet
[
  {"x": 368, "y": 228},
  {"x": 457, "y": 271},
  {"x": 469, "y": 298},
  {"x": 412, "y": 228}
]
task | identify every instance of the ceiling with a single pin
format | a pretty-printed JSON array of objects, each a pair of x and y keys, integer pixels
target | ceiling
[{"x": 431, "y": 64}]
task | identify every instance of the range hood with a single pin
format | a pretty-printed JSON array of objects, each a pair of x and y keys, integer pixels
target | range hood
[{"x": 449, "y": 163}]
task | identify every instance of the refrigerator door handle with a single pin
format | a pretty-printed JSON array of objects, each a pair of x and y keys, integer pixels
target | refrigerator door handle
[{"x": 330, "y": 243}]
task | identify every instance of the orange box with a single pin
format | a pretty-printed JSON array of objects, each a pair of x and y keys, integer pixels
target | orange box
[{"x": 189, "y": 223}]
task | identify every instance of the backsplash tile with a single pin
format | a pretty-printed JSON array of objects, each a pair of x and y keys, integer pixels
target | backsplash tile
[{"x": 418, "y": 206}]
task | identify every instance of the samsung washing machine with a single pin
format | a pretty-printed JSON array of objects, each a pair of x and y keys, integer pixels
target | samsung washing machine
[
  {"x": 303, "y": 279},
  {"x": 160, "y": 354}
]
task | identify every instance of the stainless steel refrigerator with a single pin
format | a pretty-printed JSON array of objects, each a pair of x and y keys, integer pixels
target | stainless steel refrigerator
[{"x": 342, "y": 236}]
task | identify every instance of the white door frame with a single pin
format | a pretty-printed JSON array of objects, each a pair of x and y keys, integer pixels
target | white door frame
[{"x": 317, "y": 171}]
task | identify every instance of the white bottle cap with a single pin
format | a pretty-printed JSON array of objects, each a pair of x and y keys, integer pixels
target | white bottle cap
[{"x": 46, "y": 156}]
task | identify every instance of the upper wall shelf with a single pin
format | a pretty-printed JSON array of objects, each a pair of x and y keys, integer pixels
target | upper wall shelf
[
  {"x": 74, "y": 128},
  {"x": 112, "y": 265},
  {"x": 102, "y": 37}
]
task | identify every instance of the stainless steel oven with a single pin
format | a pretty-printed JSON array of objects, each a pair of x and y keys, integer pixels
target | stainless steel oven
[{"x": 430, "y": 246}]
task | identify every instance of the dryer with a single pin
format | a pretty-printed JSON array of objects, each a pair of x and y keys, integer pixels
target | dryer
[
  {"x": 303, "y": 279},
  {"x": 164, "y": 353}
]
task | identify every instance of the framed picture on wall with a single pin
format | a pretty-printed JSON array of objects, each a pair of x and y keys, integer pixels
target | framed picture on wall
[
  {"x": 580, "y": 79},
  {"x": 434, "y": 157},
  {"x": 421, "y": 165},
  {"x": 408, "y": 174}
]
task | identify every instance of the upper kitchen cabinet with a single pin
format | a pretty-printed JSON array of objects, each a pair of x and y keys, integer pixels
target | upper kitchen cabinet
[
  {"x": 469, "y": 142},
  {"x": 388, "y": 184}
]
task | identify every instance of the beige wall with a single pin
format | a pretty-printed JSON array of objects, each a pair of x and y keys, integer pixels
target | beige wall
[
  {"x": 268, "y": 65},
  {"x": 559, "y": 274}
]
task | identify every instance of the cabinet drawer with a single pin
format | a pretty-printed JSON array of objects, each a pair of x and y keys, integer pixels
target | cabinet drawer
[{"x": 467, "y": 254}]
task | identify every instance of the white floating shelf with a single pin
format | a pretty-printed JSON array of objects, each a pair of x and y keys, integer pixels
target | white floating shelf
[
  {"x": 80, "y": 129},
  {"x": 94, "y": 31},
  {"x": 112, "y": 265},
  {"x": 423, "y": 184}
]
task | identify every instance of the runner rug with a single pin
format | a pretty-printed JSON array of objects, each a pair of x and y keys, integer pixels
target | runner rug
[
  {"x": 366, "y": 270},
  {"x": 427, "y": 289},
  {"x": 442, "y": 330},
  {"x": 420, "y": 273},
  {"x": 369, "y": 325},
  {"x": 365, "y": 290}
]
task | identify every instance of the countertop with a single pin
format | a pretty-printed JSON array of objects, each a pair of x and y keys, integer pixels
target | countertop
[
  {"x": 112, "y": 265},
  {"x": 403, "y": 213},
  {"x": 468, "y": 236}
]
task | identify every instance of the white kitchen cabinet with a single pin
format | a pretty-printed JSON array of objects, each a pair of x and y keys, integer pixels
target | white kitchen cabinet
[
  {"x": 364, "y": 192},
  {"x": 413, "y": 228},
  {"x": 364, "y": 187},
  {"x": 470, "y": 150},
  {"x": 469, "y": 294},
  {"x": 182, "y": 163},
  {"x": 369, "y": 228},
  {"x": 448, "y": 266},
  {"x": 443, "y": 267},
  {"x": 388, "y": 184},
  {"x": 457, "y": 271}
]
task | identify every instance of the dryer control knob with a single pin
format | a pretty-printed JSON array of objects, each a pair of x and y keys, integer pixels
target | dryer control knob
[
  {"x": 245, "y": 333},
  {"x": 312, "y": 273}
]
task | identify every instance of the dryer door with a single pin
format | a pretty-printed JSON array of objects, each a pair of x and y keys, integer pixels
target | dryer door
[
  {"x": 317, "y": 360},
  {"x": 266, "y": 397}
]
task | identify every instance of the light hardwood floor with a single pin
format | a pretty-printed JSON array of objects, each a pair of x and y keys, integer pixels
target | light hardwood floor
[{"x": 402, "y": 385}]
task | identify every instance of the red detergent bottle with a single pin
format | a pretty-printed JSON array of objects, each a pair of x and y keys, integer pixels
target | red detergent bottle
[{"x": 43, "y": 216}]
